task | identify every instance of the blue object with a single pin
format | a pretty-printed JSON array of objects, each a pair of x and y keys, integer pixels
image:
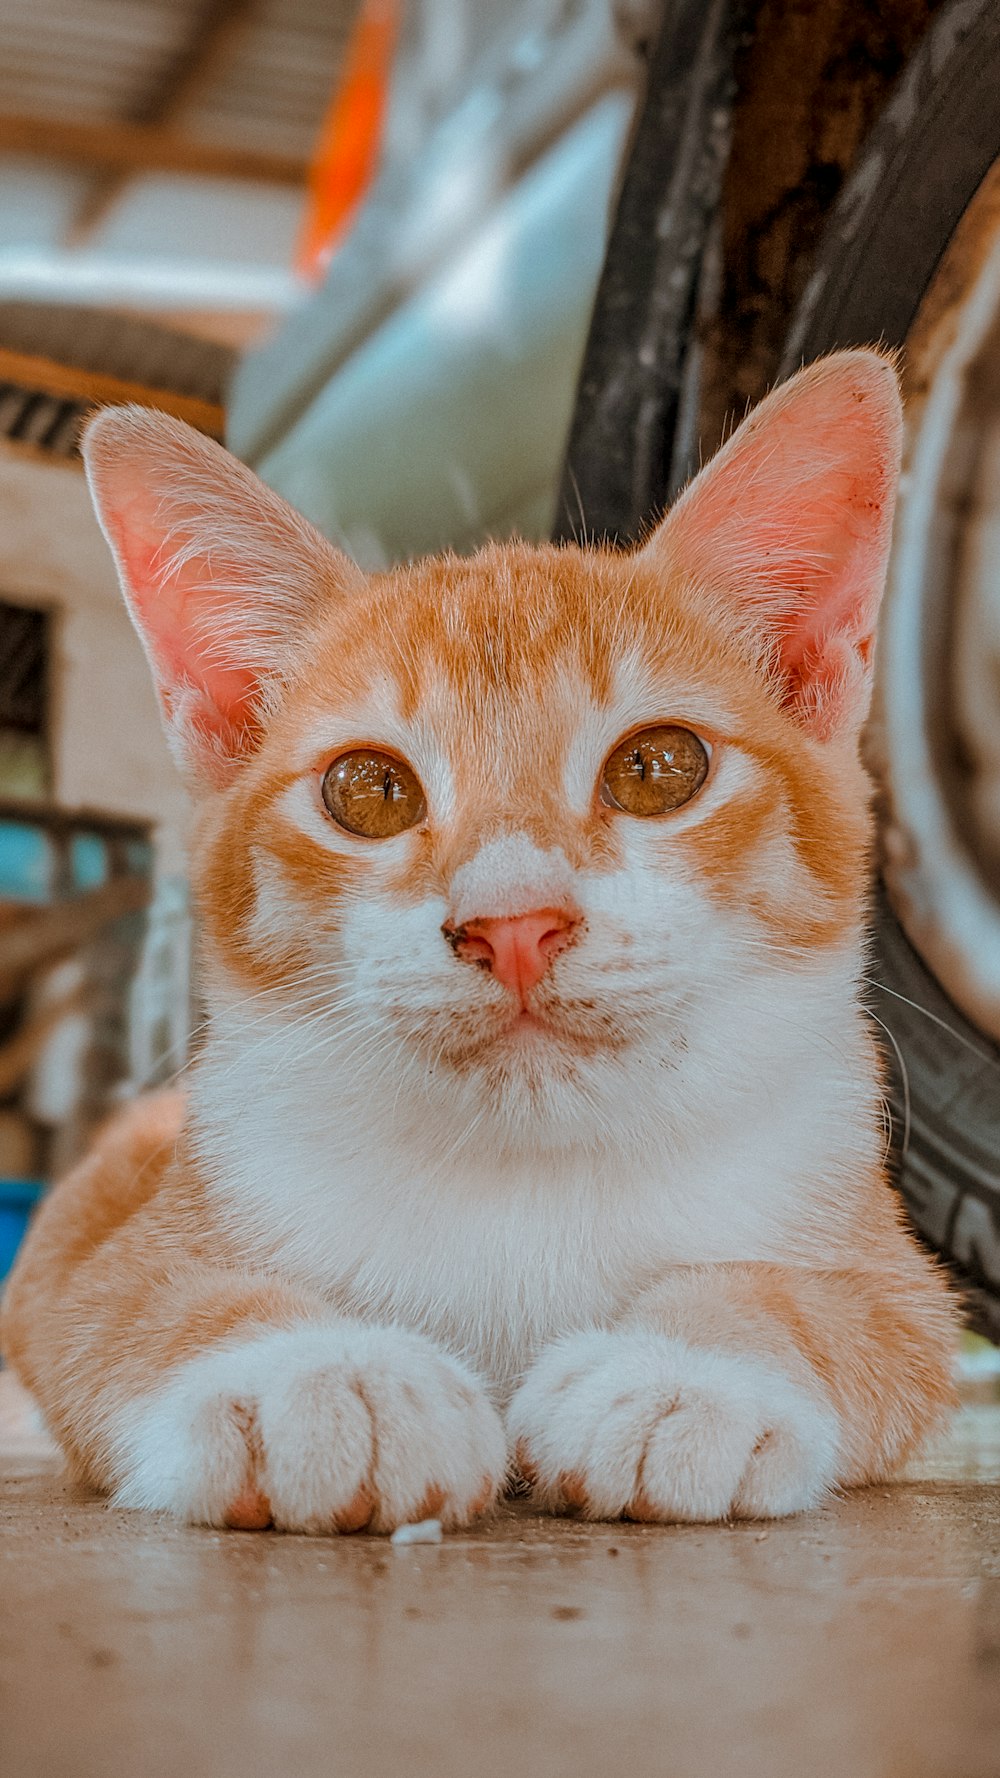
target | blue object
[
  {"x": 26, "y": 862},
  {"x": 88, "y": 860},
  {"x": 18, "y": 1198}
]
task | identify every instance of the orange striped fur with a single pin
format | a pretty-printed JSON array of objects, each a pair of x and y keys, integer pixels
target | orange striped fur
[{"x": 408, "y": 1215}]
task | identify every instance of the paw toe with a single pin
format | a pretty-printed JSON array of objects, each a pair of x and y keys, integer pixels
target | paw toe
[
  {"x": 431, "y": 1506},
  {"x": 250, "y": 1511},
  {"x": 358, "y": 1513},
  {"x": 573, "y": 1490},
  {"x": 482, "y": 1501}
]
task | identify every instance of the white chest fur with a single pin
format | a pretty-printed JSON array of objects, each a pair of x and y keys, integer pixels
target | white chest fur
[{"x": 495, "y": 1253}]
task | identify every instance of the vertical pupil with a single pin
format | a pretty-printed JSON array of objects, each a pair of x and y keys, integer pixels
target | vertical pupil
[
  {"x": 640, "y": 764},
  {"x": 387, "y": 787}
]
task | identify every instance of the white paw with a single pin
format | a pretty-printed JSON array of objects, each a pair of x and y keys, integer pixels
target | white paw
[
  {"x": 638, "y": 1425},
  {"x": 314, "y": 1428}
]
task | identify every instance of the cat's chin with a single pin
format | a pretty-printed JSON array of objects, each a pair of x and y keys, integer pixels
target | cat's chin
[{"x": 545, "y": 1085}]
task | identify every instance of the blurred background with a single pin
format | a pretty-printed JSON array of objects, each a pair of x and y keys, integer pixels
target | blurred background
[{"x": 448, "y": 269}]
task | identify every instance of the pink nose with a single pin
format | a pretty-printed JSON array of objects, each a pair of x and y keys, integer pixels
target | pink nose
[{"x": 517, "y": 948}]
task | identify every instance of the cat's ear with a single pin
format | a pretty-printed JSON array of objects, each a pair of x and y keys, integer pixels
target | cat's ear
[
  {"x": 789, "y": 526},
  {"x": 220, "y": 575}
]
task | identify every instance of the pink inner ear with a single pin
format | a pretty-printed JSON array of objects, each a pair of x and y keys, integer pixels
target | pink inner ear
[
  {"x": 166, "y": 609},
  {"x": 838, "y": 611},
  {"x": 792, "y": 522}
]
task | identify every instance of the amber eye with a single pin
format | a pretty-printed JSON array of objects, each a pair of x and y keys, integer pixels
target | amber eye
[
  {"x": 373, "y": 794},
  {"x": 655, "y": 771}
]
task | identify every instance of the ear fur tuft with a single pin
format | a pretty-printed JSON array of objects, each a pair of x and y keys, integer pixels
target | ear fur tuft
[
  {"x": 789, "y": 527},
  {"x": 219, "y": 574}
]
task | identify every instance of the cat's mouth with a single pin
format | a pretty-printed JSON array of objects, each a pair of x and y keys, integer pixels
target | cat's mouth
[
  {"x": 533, "y": 1036},
  {"x": 526, "y": 1020}
]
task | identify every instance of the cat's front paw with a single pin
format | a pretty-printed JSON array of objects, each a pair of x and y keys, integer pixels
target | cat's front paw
[
  {"x": 315, "y": 1428},
  {"x": 637, "y": 1425}
]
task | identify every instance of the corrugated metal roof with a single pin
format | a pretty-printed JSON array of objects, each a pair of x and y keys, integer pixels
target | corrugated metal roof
[
  {"x": 153, "y": 153},
  {"x": 274, "y": 83},
  {"x": 269, "y": 65},
  {"x": 95, "y": 58}
]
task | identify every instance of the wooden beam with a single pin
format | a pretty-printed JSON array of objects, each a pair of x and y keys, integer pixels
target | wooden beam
[
  {"x": 49, "y": 377},
  {"x": 32, "y": 939},
  {"x": 137, "y": 148}
]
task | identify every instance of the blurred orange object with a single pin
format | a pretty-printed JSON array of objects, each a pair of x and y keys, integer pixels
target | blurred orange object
[{"x": 348, "y": 147}]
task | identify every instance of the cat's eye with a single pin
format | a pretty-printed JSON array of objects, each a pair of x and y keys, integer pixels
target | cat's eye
[
  {"x": 655, "y": 771},
  {"x": 373, "y": 794}
]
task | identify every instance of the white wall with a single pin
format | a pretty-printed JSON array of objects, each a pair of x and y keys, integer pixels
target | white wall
[{"x": 108, "y": 748}]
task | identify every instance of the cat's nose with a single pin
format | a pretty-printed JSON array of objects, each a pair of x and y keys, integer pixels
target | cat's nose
[{"x": 517, "y": 948}]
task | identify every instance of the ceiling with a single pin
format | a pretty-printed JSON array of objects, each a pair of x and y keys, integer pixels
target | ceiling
[{"x": 153, "y": 153}]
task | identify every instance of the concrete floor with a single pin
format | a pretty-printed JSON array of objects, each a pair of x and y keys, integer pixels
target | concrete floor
[{"x": 861, "y": 1641}]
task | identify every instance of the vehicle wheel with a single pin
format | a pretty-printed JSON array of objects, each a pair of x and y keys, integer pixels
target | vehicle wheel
[
  {"x": 635, "y": 385},
  {"x": 911, "y": 257}
]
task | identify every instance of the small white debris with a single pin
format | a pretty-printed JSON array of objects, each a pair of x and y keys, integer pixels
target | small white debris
[{"x": 427, "y": 1531}]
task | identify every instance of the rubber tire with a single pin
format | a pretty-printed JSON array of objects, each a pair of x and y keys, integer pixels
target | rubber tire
[
  {"x": 923, "y": 162},
  {"x": 631, "y": 394}
]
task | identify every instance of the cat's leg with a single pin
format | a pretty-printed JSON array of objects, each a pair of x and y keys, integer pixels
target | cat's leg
[
  {"x": 313, "y": 1424},
  {"x": 226, "y": 1399},
  {"x": 738, "y": 1390},
  {"x": 227, "y": 1396}
]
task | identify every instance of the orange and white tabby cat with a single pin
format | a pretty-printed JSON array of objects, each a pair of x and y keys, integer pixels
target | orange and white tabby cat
[{"x": 537, "y": 1117}]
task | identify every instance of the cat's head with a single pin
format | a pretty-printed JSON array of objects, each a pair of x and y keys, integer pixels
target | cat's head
[{"x": 522, "y": 833}]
